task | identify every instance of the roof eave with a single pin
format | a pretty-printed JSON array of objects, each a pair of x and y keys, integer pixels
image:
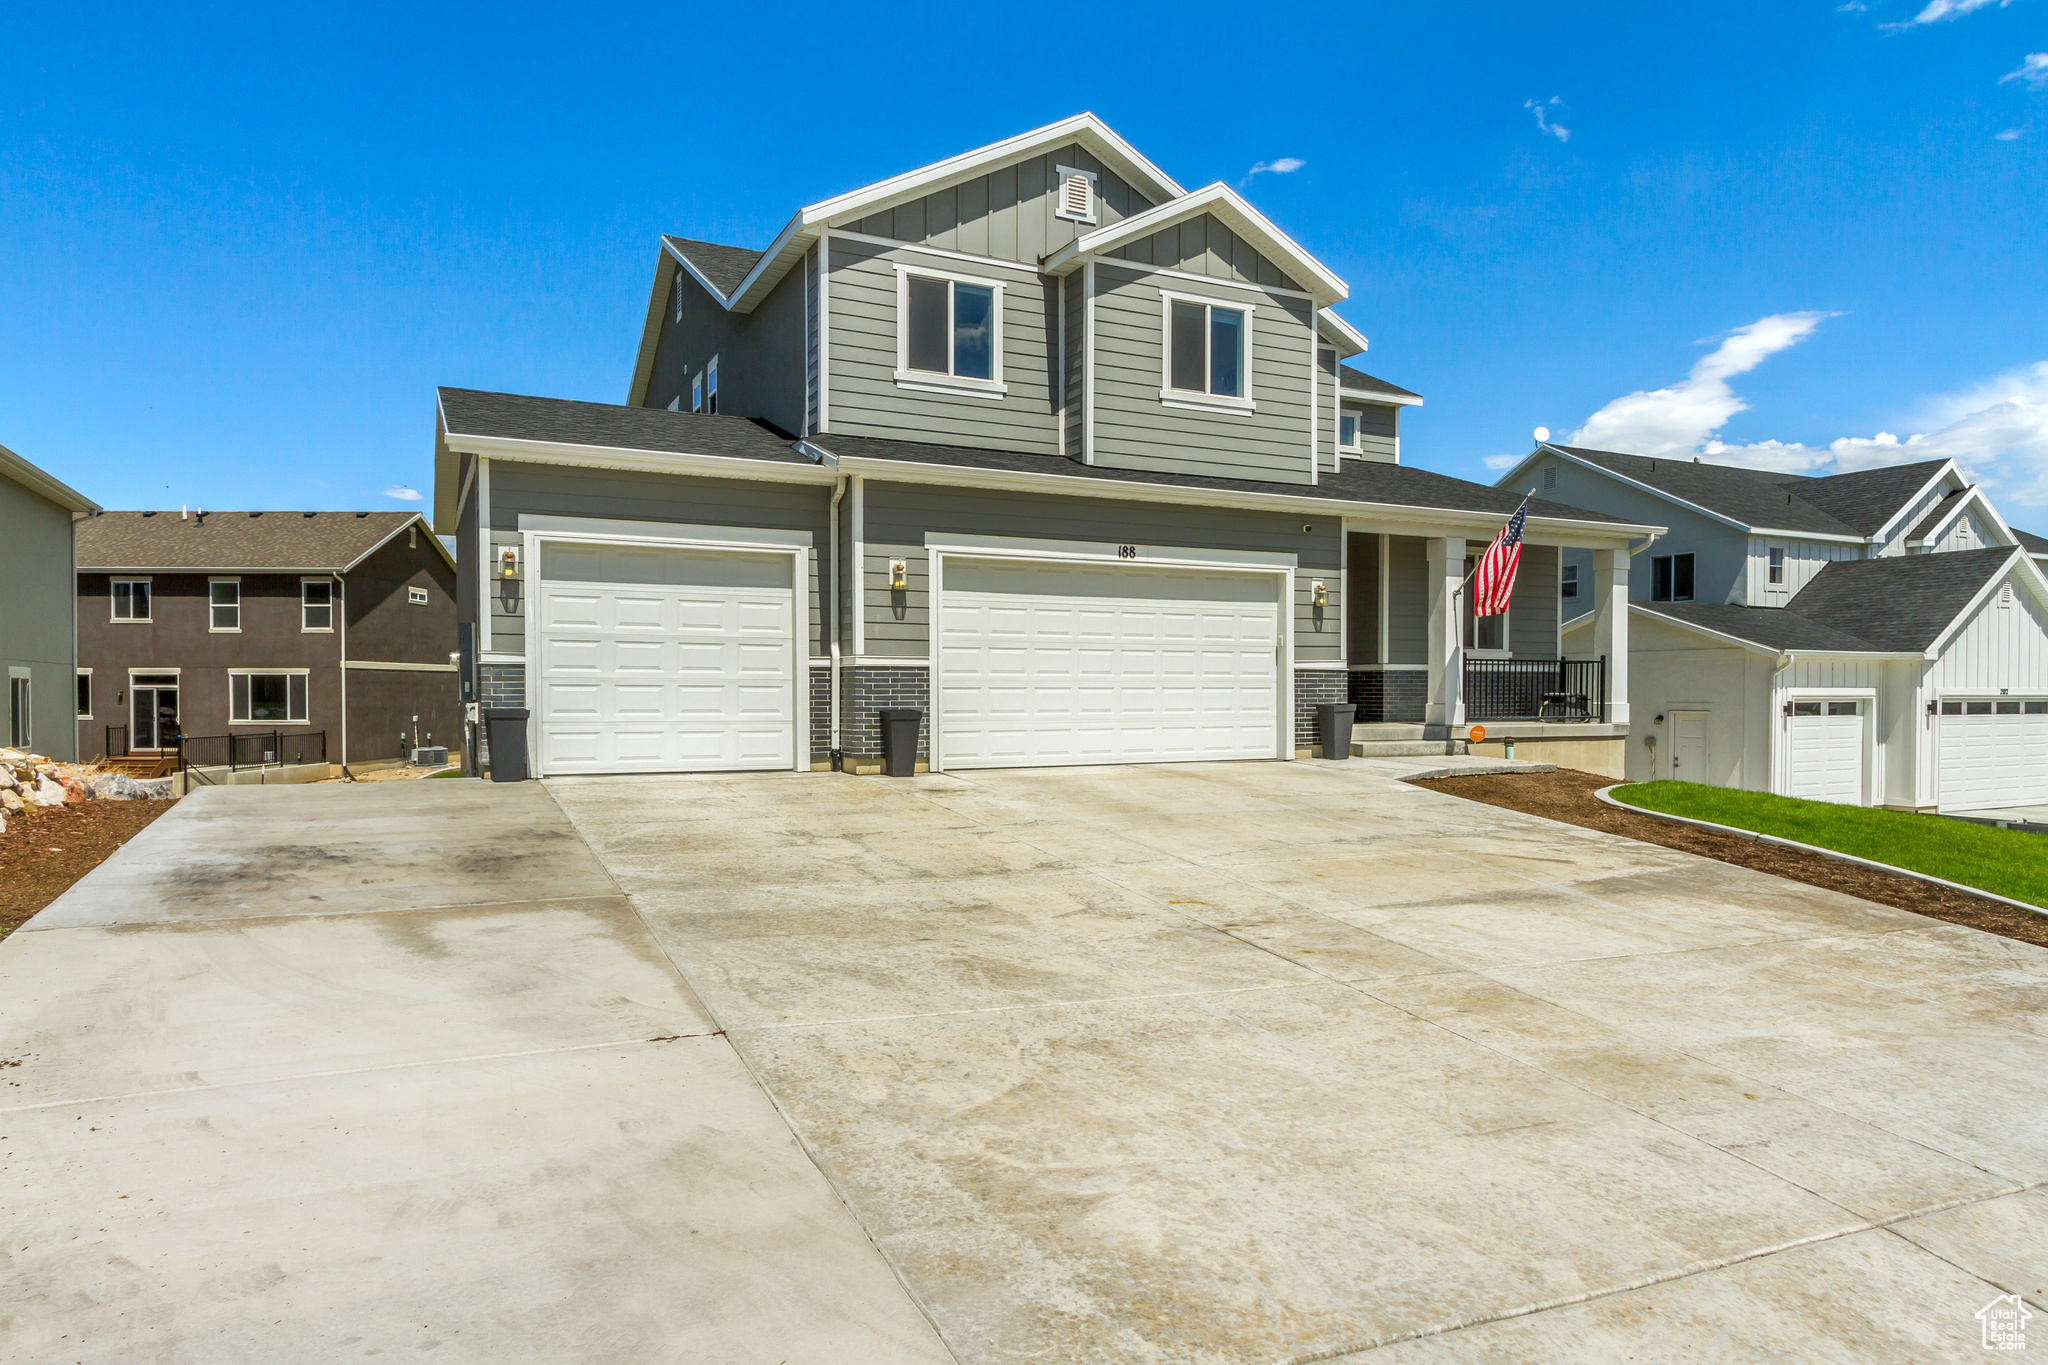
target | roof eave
[
  {"x": 1884, "y": 532},
  {"x": 1325, "y": 286},
  {"x": 630, "y": 457},
  {"x": 1345, "y": 334},
  {"x": 1651, "y": 489},
  {"x": 42, "y": 485}
]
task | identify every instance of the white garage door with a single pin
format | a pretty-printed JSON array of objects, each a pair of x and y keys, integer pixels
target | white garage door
[
  {"x": 1044, "y": 664},
  {"x": 1826, "y": 739},
  {"x": 1993, "y": 754},
  {"x": 664, "y": 660}
]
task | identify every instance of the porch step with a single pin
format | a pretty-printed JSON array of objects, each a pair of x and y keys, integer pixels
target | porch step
[
  {"x": 141, "y": 766},
  {"x": 1407, "y": 748}
]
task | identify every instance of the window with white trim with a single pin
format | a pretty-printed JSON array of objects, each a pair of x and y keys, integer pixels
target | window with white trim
[
  {"x": 711, "y": 386},
  {"x": 949, "y": 331},
  {"x": 85, "y": 694},
  {"x": 1483, "y": 634},
  {"x": 131, "y": 599},
  {"x": 21, "y": 727},
  {"x": 223, "y": 604},
  {"x": 1671, "y": 578},
  {"x": 259, "y": 698},
  {"x": 1347, "y": 431},
  {"x": 1206, "y": 350},
  {"x": 1568, "y": 581},
  {"x": 697, "y": 392},
  {"x": 1076, "y": 195},
  {"x": 316, "y": 604},
  {"x": 416, "y": 596},
  {"x": 1777, "y": 569}
]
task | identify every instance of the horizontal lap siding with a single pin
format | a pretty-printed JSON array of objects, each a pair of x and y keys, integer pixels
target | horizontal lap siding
[
  {"x": 553, "y": 490},
  {"x": 1326, "y": 408},
  {"x": 1008, "y": 213},
  {"x": 1532, "y": 611},
  {"x": 866, "y": 399},
  {"x": 1135, "y": 430},
  {"x": 899, "y": 515},
  {"x": 1379, "y": 431},
  {"x": 1407, "y": 600},
  {"x": 1075, "y": 392}
]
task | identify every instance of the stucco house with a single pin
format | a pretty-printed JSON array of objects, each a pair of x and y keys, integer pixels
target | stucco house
[
  {"x": 1876, "y": 638},
  {"x": 1033, "y": 439},
  {"x": 38, "y": 650}
]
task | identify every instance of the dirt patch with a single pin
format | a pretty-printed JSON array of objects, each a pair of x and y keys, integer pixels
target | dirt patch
[
  {"x": 1567, "y": 795},
  {"x": 48, "y": 848}
]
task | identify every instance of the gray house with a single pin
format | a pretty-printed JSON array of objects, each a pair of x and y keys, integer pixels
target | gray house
[
  {"x": 37, "y": 637},
  {"x": 1033, "y": 439},
  {"x": 1875, "y": 638}
]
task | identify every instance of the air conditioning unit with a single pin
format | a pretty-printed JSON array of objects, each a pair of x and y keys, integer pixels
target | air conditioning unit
[{"x": 436, "y": 757}]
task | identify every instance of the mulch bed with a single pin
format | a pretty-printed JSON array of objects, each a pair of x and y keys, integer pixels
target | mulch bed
[
  {"x": 48, "y": 848},
  {"x": 1567, "y": 796}
]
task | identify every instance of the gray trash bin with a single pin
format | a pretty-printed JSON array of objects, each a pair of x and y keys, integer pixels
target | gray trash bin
[
  {"x": 508, "y": 743},
  {"x": 900, "y": 725},
  {"x": 1333, "y": 728}
]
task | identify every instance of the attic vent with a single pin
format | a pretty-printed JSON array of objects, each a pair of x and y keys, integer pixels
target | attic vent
[
  {"x": 1077, "y": 195},
  {"x": 2005, "y": 594},
  {"x": 1550, "y": 476}
]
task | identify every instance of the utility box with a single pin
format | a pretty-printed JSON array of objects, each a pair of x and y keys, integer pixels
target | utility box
[{"x": 436, "y": 757}]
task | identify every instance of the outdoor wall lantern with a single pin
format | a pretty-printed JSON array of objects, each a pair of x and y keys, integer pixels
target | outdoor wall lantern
[
  {"x": 899, "y": 574},
  {"x": 1319, "y": 593},
  {"x": 1658, "y": 719},
  {"x": 508, "y": 562}
]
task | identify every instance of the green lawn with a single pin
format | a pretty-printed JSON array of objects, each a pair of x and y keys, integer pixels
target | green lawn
[{"x": 2002, "y": 861}]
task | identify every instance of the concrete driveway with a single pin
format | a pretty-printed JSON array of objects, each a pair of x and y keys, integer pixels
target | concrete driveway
[{"x": 1288, "y": 1062}]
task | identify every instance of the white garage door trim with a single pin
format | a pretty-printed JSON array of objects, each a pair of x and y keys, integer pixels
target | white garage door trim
[
  {"x": 1135, "y": 557},
  {"x": 538, "y": 531},
  {"x": 1820, "y": 728},
  {"x": 2007, "y": 754}
]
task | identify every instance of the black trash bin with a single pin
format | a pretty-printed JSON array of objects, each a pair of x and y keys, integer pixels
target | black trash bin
[
  {"x": 508, "y": 743},
  {"x": 1333, "y": 728},
  {"x": 899, "y": 740}
]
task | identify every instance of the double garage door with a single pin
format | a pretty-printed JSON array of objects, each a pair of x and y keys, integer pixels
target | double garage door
[
  {"x": 1994, "y": 753},
  {"x": 657, "y": 659}
]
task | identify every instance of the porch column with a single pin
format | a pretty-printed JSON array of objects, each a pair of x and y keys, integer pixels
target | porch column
[
  {"x": 1446, "y": 638},
  {"x": 1610, "y": 626}
]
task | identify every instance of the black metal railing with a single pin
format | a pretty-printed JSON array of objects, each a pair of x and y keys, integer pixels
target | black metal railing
[
  {"x": 1536, "y": 689},
  {"x": 253, "y": 749}
]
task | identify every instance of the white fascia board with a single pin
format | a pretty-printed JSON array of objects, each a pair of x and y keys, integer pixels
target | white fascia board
[
  {"x": 1378, "y": 400},
  {"x": 415, "y": 520},
  {"x": 1638, "y": 609},
  {"x": 1781, "y": 534},
  {"x": 1570, "y": 458},
  {"x": 1972, "y": 496},
  {"x": 12, "y": 466},
  {"x": 645, "y": 461},
  {"x": 685, "y": 263},
  {"x": 2029, "y": 573},
  {"x": 1085, "y": 129},
  {"x": 1948, "y": 468},
  {"x": 1336, "y": 329},
  {"x": 1235, "y": 212},
  {"x": 1547, "y": 529},
  {"x": 650, "y": 328},
  {"x": 447, "y": 472}
]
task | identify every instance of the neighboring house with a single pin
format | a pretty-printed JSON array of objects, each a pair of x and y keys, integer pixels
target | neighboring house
[
  {"x": 331, "y": 629},
  {"x": 38, "y": 653},
  {"x": 1032, "y": 439},
  {"x": 1879, "y": 638}
]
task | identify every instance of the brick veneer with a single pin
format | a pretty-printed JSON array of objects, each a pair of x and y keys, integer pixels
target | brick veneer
[
  {"x": 821, "y": 714},
  {"x": 864, "y": 690},
  {"x": 1390, "y": 696},
  {"x": 1313, "y": 688}
]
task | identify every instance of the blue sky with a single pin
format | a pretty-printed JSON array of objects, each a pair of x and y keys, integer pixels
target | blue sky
[{"x": 239, "y": 251}]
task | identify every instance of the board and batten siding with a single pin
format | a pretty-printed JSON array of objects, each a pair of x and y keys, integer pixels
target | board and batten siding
[
  {"x": 2003, "y": 648},
  {"x": 811, "y": 332},
  {"x": 1803, "y": 559},
  {"x": 1074, "y": 391},
  {"x": 1134, "y": 429},
  {"x": 1970, "y": 532},
  {"x": 898, "y": 516},
  {"x": 1206, "y": 246},
  {"x": 1915, "y": 514},
  {"x": 1009, "y": 212},
  {"x": 622, "y": 495},
  {"x": 866, "y": 399}
]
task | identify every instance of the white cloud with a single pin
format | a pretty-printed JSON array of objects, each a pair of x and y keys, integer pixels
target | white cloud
[
  {"x": 1851, "y": 7},
  {"x": 1286, "y": 165},
  {"x": 1544, "y": 121},
  {"x": 1503, "y": 461},
  {"x": 1997, "y": 431},
  {"x": 2010, "y": 135},
  {"x": 2033, "y": 72},
  {"x": 1681, "y": 417},
  {"x": 403, "y": 494},
  {"x": 1938, "y": 10}
]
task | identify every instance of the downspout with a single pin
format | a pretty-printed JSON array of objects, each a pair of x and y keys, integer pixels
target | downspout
[
  {"x": 1780, "y": 726},
  {"x": 832, "y": 592},
  {"x": 341, "y": 613}
]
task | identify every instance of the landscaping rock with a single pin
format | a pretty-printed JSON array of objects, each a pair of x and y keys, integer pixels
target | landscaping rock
[
  {"x": 47, "y": 791},
  {"x": 121, "y": 787},
  {"x": 11, "y": 802}
]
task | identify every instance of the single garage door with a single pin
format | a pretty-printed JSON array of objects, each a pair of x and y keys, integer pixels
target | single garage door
[
  {"x": 1046, "y": 664},
  {"x": 660, "y": 660},
  {"x": 1993, "y": 754},
  {"x": 1826, "y": 739}
]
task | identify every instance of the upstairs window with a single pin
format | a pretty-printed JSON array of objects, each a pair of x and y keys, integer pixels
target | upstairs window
[
  {"x": 416, "y": 596},
  {"x": 1347, "y": 431},
  {"x": 316, "y": 604},
  {"x": 1671, "y": 578},
  {"x": 224, "y": 604},
  {"x": 1568, "y": 582},
  {"x": 697, "y": 393},
  {"x": 1206, "y": 350},
  {"x": 131, "y": 599},
  {"x": 949, "y": 331},
  {"x": 711, "y": 386},
  {"x": 1076, "y": 195},
  {"x": 1777, "y": 577}
]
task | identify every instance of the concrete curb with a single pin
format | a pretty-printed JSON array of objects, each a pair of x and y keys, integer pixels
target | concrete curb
[
  {"x": 1839, "y": 857},
  {"x": 1480, "y": 770}
]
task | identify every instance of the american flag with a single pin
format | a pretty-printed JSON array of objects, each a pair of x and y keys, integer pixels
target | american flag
[{"x": 1493, "y": 582}]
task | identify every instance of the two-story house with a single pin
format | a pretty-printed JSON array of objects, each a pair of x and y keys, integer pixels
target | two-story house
[
  {"x": 1032, "y": 439},
  {"x": 38, "y": 650},
  {"x": 1879, "y": 638},
  {"x": 265, "y": 640}
]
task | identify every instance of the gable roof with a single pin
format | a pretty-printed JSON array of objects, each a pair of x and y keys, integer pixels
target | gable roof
[
  {"x": 1899, "y": 602},
  {"x": 320, "y": 542},
  {"x": 1934, "y": 518},
  {"x": 721, "y": 267},
  {"x": 1379, "y": 390},
  {"x": 1774, "y": 628},
  {"x": 13, "y": 467},
  {"x": 1749, "y": 497},
  {"x": 2031, "y": 543},
  {"x": 1234, "y": 212},
  {"x": 1869, "y": 499},
  {"x": 611, "y": 426}
]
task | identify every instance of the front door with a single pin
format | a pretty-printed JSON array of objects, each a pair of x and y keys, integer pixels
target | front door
[
  {"x": 1689, "y": 746},
  {"x": 153, "y": 710}
]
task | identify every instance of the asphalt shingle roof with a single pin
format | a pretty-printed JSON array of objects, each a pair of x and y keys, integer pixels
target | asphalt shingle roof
[
  {"x": 1900, "y": 602},
  {"x": 724, "y": 266},
  {"x": 1866, "y": 500},
  {"x": 1358, "y": 381},
  {"x": 2031, "y": 543},
  {"x": 1771, "y": 627},
  {"x": 325, "y": 541},
  {"x": 474, "y": 412},
  {"x": 1750, "y": 496},
  {"x": 1941, "y": 509},
  {"x": 1360, "y": 481}
]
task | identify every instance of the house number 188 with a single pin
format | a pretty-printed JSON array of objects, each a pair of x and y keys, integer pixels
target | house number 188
[{"x": 1126, "y": 552}]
